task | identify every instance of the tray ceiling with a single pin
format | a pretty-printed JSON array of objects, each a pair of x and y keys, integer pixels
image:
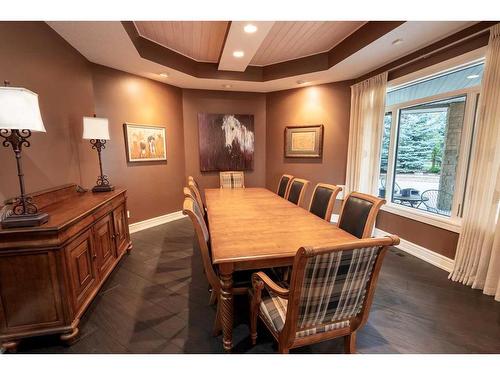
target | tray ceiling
[
  {"x": 199, "y": 40},
  {"x": 289, "y": 40}
]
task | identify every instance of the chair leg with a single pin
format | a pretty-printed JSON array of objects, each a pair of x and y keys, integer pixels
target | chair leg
[
  {"x": 217, "y": 329},
  {"x": 213, "y": 297},
  {"x": 350, "y": 343},
  {"x": 283, "y": 349},
  {"x": 253, "y": 322}
]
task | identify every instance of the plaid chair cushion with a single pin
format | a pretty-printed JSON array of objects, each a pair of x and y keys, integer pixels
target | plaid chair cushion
[
  {"x": 334, "y": 286},
  {"x": 273, "y": 309}
]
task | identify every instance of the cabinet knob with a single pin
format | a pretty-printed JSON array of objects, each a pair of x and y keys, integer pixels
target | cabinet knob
[{"x": 94, "y": 256}]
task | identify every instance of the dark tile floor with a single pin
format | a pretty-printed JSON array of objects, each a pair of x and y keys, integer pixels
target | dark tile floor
[{"x": 156, "y": 301}]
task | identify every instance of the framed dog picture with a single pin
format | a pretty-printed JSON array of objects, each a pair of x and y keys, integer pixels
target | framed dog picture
[
  {"x": 145, "y": 143},
  {"x": 304, "y": 141}
]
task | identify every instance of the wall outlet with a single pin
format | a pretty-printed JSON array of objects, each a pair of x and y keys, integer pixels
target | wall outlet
[{"x": 128, "y": 214}]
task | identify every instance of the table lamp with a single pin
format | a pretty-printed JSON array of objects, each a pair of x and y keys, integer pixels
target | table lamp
[
  {"x": 97, "y": 130},
  {"x": 19, "y": 116}
]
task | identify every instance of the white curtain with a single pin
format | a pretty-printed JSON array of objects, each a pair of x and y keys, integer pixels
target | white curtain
[
  {"x": 365, "y": 131},
  {"x": 477, "y": 262}
]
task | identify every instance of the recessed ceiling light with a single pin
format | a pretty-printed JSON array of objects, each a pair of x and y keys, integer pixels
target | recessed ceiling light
[
  {"x": 164, "y": 75},
  {"x": 472, "y": 76},
  {"x": 238, "y": 54},
  {"x": 227, "y": 86},
  {"x": 250, "y": 29},
  {"x": 397, "y": 41}
]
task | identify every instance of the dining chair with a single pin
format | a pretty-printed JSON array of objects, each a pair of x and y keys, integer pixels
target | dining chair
[
  {"x": 232, "y": 179},
  {"x": 296, "y": 191},
  {"x": 191, "y": 178},
  {"x": 242, "y": 279},
  {"x": 330, "y": 294},
  {"x": 358, "y": 214},
  {"x": 436, "y": 201},
  {"x": 323, "y": 200},
  {"x": 283, "y": 185},
  {"x": 194, "y": 187}
]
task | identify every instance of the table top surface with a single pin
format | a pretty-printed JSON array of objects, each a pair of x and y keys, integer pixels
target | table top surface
[{"x": 253, "y": 224}]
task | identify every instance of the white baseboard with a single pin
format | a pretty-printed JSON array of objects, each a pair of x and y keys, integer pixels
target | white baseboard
[
  {"x": 420, "y": 252},
  {"x": 153, "y": 222}
]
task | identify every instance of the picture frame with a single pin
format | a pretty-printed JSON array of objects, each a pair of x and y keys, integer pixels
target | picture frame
[
  {"x": 145, "y": 143},
  {"x": 226, "y": 142},
  {"x": 304, "y": 141}
]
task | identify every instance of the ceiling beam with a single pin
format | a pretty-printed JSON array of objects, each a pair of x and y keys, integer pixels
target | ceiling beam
[{"x": 239, "y": 40}]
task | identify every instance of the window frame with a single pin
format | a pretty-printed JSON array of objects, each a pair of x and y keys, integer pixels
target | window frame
[{"x": 452, "y": 223}]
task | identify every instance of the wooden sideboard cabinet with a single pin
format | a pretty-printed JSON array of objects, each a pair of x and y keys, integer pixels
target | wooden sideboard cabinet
[{"x": 50, "y": 274}]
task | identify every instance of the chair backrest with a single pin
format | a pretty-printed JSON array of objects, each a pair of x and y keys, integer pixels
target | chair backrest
[
  {"x": 189, "y": 193},
  {"x": 334, "y": 284},
  {"x": 358, "y": 214},
  {"x": 323, "y": 199},
  {"x": 191, "y": 178},
  {"x": 437, "y": 201},
  {"x": 193, "y": 186},
  {"x": 232, "y": 179},
  {"x": 296, "y": 191},
  {"x": 283, "y": 185},
  {"x": 191, "y": 209}
]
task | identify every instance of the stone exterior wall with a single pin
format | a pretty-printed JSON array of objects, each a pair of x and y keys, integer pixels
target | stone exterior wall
[{"x": 455, "y": 120}]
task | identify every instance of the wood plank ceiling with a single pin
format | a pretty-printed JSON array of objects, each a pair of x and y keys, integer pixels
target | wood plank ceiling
[
  {"x": 289, "y": 40},
  {"x": 199, "y": 40}
]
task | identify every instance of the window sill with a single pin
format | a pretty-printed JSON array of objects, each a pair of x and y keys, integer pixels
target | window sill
[{"x": 453, "y": 225}]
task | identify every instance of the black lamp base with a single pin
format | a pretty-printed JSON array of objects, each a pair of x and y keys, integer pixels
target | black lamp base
[
  {"x": 102, "y": 188},
  {"x": 22, "y": 221}
]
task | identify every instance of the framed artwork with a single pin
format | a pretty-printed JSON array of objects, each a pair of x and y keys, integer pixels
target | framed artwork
[
  {"x": 226, "y": 142},
  {"x": 145, "y": 143},
  {"x": 304, "y": 141}
]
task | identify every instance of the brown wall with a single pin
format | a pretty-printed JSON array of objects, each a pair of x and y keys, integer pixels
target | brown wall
[
  {"x": 327, "y": 104},
  {"x": 154, "y": 188},
  {"x": 198, "y": 101},
  {"x": 36, "y": 57},
  {"x": 436, "y": 239}
]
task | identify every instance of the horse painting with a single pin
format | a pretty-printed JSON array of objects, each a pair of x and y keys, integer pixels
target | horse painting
[
  {"x": 226, "y": 142},
  {"x": 145, "y": 143}
]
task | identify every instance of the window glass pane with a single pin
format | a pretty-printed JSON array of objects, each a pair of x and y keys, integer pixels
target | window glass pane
[
  {"x": 428, "y": 145},
  {"x": 384, "y": 154},
  {"x": 459, "y": 79}
]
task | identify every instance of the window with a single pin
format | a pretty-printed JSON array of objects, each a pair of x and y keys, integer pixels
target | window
[{"x": 426, "y": 144}]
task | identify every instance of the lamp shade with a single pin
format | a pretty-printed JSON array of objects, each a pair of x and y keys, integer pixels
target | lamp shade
[
  {"x": 19, "y": 109},
  {"x": 95, "y": 128}
]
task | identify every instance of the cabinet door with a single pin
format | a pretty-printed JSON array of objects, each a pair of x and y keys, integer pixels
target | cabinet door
[
  {"x": 81, "y": 255},
  {"x": 104, "y": 245},
  {"x": 121, "y": 229}
]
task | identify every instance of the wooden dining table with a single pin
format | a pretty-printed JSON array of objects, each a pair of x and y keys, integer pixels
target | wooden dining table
[{"x": 253, "y": 229}]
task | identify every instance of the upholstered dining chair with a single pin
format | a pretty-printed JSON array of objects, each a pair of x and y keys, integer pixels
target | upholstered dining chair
[
  {"x": 358, "y": 214},
  {"x": 241, "y": 281},
  {"x": 330, "y": 294},
  {"x": 232, "y": 179},
  {"x": 296, "y": 191},
  {"x": 194, "y": 187},
  {"x": 323, "y": 200},
  {"x": 283, "y": 185}
]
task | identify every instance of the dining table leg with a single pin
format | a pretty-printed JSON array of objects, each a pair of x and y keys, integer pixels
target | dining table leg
[{"x": 226, "y": 301}]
